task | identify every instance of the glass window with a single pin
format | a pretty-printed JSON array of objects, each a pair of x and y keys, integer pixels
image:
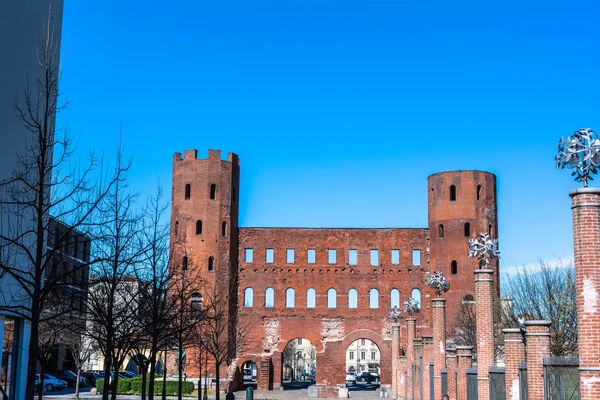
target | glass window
[
  {"x": 416, "y": 257},
  {"x": 353, "y": 257},
  {"x": 352, "y": 355},
  {"x": 249, "y": 255},
  {"x": 331, "y": 256},
  {"x": 290, "y": 298},
  {"x": 416, "y": 294},
  {"x": 395, "y": 298},
  {"x": 395, "y": 257},
  {"x": 269, "y": 298},
  {"x": 312, "y": 256},
  {"x": 352, "y": 298},
  {"x": 248, "y": 297},
  {"x": 374, "y": 257},
  {"x": 311, "y": 298},
  {"x": 331, "y": 298},
  {"x": 289, "y": 256},
  {"x": 269, "y": 254},
  {"x": 374, "y": 298}
]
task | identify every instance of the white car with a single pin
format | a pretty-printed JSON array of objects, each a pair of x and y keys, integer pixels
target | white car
[
  {"x": 50, "y": 382},
  {"x": 350, "y": 379}
]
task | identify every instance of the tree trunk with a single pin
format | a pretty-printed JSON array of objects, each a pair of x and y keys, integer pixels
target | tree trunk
[
  {"x": 107, "y": 368},
  {"x": 33, "y": 349},
  {"x": 164, "y": 390},
  {"x": 77, "y": 383},
  {"x": 144, "y": 379},
  {"x": 41, "y": 389},
  {"x": 179, "y": 373},
  {"x": 151, "y": 376},
  {"x": 200, "y": 374},
  {"x": 218, "y": 386},
  {"x": 115, "y": 383}
]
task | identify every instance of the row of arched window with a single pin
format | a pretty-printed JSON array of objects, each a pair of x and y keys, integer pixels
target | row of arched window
[
  {"x": 453, "y": 192},
  {"x": 199, "y": 228},
  {"x": 210, "y": 264},
  {"x": 311, "y": 298},
  {"x": 213, "y": 191},
  {"x": 467, "y": 230}
]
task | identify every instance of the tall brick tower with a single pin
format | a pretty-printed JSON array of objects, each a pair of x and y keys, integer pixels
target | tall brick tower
[
  {"x": 462, "y": 204},
  {"x": 204, "y": 217}
]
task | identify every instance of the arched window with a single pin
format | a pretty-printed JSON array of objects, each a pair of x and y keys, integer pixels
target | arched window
[
  {"x": 374, "y": 298},
  {"x": 213, "y": 191},
  {"x": 176, "y": 229},
  {"x": 248, "y": 297},
  {"x": 269, "y": 298},
  {"x": 416, "y": 294},
  {"x": 468, "y": 298},
  {"x": 490, "y": 229},
  {"x": 224, "y": 229},
  {"x": 196, "y": 306},
  {"x": 199, "y": 227},
  {"x": 311, "y": 298},
  {"x": 452, "y": 193},
  {"x": 331, "y": 298},
  {"x": 454, "y": 267},
  {"x": 184, "y": 263},
  {"x": 188, "y": 191},
  {"x": 441, "y": 231},
  {"x": 395, "y": 298},
  {"x": 478, "y": 192},
  {"x": 352, "y": 298},
  {"x": 290, "y": 298},
  {"x": 211, "y": 263},
  {"x": 467, "y": 229}
]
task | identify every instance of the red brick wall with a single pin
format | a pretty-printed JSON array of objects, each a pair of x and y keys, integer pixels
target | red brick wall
[
  {"x": 586, "y": 236},
  {"x": 439, "y": 343},
  {"x": 484, "y": 282},
  {"x": 428, "y": 349},
  {"x": 538, "y": 348},
  {"x": 514, "y": 352},
  {"x": 464, "y": 356},
  {"x": 452, "y": 365}
]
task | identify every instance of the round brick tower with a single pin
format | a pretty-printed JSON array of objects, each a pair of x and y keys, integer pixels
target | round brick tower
[{"x": 462, "y": 204}]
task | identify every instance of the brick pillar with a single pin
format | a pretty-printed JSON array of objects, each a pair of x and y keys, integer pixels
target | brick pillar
[
  {"x": 514, "y": 352},
  {"x": 410, "y": 356},
  {"x": 452, "y": 365},
  {"x": 439, "y": 344},
  {"x": 395, "y": 355},
  {"x": 484, "y": 283},
  {"x": 464, "y": 356},
  {"x": 427, "y": 358},
  {"x": 399, "y": 389},
  {"x": 538, "y": 348},
  {"x": 586, "y": 230},
  {"x": 418, "y": 352}
]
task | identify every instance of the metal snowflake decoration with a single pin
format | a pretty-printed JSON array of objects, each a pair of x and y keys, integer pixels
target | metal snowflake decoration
[
  {"x": 580, "y": 152},
  {"x": 411, "y": 306},
  {"x": 484, "y": 248},
  {"x": 395, "y": 314},
  {"x": 438, "y": 282}
]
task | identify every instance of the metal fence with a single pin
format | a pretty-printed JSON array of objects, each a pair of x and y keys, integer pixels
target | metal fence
[
  {"x": 523, "y": 391},
  {"x": 472, "y": 384},
  {"x": 444, "y": 372},
  {"x": 497, "y": 383},
  {"x": 561, "y": 378},
  {"x": 431, "y": 383}
]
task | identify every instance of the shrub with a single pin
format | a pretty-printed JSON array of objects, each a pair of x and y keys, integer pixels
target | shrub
[
  {"x": 187, "y": 388},
  {"x": 134, "y": 386}
]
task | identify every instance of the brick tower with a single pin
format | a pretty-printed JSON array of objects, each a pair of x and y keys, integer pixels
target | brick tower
[{"x": 462, "y": 204}]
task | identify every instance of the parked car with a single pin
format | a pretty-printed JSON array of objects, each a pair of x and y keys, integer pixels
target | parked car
[
  {"x": 367, "y": 378},
  {"x": 91, "y": 377},
  {"x": 127, "y": 374},
  {"x": 50, "y": 382},
  {"x": 70, "y": 377},
  {"x": 350, "y": 379}
]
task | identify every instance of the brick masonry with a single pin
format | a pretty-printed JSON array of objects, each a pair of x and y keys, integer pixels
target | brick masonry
[
  {"x": 586, "y": 238},
  {"x": 514, "y": 352},
  {"x": 439, "y": 344},
  {"x": 484, "y": 286},
  {"x": 538, "y": 348},
  {"x": 465, "y": 360},
  {"x": 221, "y": 244}
]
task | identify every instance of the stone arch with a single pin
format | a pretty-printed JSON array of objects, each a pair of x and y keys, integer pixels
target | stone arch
[
  {"x": 239, "y": 373},
  {"x": 385, "y": 349},
  {"x": 312, "y": 337}
]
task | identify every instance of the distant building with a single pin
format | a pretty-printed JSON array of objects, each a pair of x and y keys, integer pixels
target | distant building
[
  {"x": 21, "y": 26},
  {"x": 363, "y": 356}
]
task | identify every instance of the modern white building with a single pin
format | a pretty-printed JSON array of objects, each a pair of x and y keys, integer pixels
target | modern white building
[{"x": 21, "y": 26}]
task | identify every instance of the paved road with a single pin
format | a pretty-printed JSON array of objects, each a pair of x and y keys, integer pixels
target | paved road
[{"x": 266, "y": 395}]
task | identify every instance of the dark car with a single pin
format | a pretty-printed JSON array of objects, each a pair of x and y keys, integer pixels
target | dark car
[
  {"x": 91, "y": 377},
  {"x": 68, "y": 377},
  {"x": 367, "y": 378}
]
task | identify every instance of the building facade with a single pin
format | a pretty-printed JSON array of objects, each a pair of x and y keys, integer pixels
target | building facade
[{"x": 330, "y": 286}]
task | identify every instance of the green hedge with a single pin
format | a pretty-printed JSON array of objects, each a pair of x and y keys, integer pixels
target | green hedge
[{"x": 134, "y": 386}]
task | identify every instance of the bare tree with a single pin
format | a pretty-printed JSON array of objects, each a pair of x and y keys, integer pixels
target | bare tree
[
  {"x": 111, "y": 306},
  {"x": 547, "y": 292},
  {"x": 80, "y": 347},
  {"x": 52, "y": 334},
  {"x": 43, "y": 183},
  {"x": 220, "y": 342}
]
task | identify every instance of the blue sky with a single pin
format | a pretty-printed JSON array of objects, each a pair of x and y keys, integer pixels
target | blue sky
[{"x": 340, "y": 110}]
